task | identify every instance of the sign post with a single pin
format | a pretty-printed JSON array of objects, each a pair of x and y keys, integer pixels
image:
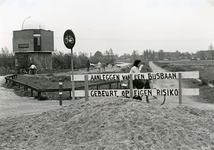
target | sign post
[
  {"x": 60, "y": 92},
  {"x": 180, "y": 87},
  {"x": 69, "y": 41}
]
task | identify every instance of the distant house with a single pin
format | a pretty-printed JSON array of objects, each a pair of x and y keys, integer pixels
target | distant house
[{"x": 205, "y": 54}]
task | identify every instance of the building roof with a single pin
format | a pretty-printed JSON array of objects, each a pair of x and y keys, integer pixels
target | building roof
[{"x": 33, "y": 23}]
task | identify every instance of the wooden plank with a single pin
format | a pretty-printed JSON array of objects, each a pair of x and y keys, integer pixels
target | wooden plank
[
  {"x": 190, "y": 91},
  {"x": 192, "y": 74},
  {"x": 78, "y": 78},
  {"x": 126, "y": 76},
  {"x": 137, "y": 92},
  {"x": 79, "y": 93}
]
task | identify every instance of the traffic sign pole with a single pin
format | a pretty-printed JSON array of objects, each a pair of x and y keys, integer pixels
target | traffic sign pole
[
  {"x": 69, "y": 41},
  {"x": 72, "y": 71}
]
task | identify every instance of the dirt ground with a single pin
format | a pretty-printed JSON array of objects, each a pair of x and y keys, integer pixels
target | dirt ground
[
  {"x": 13, "y": 105},
  {"x": 105, "y": 123},
  {"x": 174, "y": 101}
]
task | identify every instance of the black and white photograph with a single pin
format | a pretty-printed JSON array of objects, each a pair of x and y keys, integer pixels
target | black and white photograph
[{"x": 107, "y": 75}]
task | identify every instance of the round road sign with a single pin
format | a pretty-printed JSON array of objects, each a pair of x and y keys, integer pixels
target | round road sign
[{"x": 69, "y": 39}]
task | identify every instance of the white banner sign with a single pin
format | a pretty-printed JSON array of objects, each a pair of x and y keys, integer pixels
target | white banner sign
[
  {"x": 126, "y": 76},
  {"x": 136, "y": 92}
]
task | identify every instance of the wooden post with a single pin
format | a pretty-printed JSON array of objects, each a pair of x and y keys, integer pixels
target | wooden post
[
  {"x": 109, "y": 85},
  {"x": 39, "y": 95},
  {"x": 31, "y": 91},
  {"x": 86, "y": 88},
  {"x": 98, "y": 86},
  {"x": 180, "y": 87},
  {"x": 70, "y": 93},
  {"x": 60, "y": 92},
  {"x": 131, "y": 86}
]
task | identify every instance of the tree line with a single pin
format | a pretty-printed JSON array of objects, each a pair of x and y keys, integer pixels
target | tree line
[{"x": 62, "y": 60}]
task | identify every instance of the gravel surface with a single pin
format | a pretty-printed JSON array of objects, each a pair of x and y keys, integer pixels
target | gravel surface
[{"x": 110, "y": 124}]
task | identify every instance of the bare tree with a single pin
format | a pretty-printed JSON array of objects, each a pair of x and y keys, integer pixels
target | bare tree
[
  {"x": 135, "y": 55},
  {"x": 211, "y": 51}
]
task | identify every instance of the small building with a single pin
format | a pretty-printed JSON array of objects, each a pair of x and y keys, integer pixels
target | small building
[
  {"x": 33, "y": 44},
  {"x": 205, "y": 54}
]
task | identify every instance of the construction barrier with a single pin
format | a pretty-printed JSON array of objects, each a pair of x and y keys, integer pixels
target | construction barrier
[{"x": 137, "y": 92}]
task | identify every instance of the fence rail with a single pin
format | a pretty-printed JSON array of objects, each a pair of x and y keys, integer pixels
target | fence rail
[{"x": 11, "y": 79}]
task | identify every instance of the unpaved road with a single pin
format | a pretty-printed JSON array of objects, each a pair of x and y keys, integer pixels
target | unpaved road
[
  {"x": 174, "y": 101},
  {"x": 13, "y": 105}
]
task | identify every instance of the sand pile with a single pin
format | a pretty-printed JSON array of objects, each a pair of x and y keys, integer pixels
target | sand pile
[{"x": 110, "y": 124}]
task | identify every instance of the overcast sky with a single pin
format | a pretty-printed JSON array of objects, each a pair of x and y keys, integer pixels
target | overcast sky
[{"x": 123, "y": 25}]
